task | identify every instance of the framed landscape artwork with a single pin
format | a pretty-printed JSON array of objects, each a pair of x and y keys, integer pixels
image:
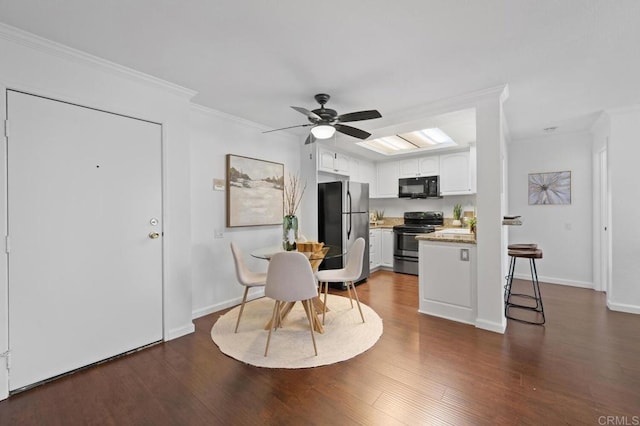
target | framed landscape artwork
[
  {"x": 550, "y": 188},
  {"x": 255, "y": 191}
]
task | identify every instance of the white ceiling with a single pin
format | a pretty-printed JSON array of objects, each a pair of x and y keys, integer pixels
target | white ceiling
[{"x": 564, "y": 60}]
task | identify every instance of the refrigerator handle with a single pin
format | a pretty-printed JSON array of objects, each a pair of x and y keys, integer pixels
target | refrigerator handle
[{"x": 349, "y": 214}]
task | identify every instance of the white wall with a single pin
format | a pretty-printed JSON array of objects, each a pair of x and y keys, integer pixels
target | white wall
[
  {"x": 623, "y": 154},
  {"x": 36, "y": 66},
  {"x": 491, "y": 202},
  {"x": 563, "y": 232},
  {"x": 213, "y": 135}
]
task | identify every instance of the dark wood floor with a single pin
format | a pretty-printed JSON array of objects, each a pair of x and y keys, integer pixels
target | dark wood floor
[{"x": 584, "y": 364}]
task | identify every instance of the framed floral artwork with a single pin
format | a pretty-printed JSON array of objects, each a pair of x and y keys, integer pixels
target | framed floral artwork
[
  {"x": 550, "y": 188},
  {"x": 255, "y": 191}
]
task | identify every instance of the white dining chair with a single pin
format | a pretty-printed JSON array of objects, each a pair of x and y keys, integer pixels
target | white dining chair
[
  {"x": 245, "y": 277},
  {"x": 348, "y": 274},
  {"x": 290, "y": 279}
]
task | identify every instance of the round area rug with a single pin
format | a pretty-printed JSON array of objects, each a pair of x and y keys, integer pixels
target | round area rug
[{"x": 345, "y": 335}]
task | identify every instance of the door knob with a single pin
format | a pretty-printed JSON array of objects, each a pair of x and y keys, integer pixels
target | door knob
[{"x": 153, "y": 235}]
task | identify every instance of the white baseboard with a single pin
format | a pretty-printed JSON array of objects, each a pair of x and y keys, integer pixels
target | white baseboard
[
  {"x": 621, "y": 307},
  {"x": 553, "y": 280},
  {"x": 447, "y": 311},
  {"x": 226, "y": 304},
  {"x": 381, "y": 268},
  {"x": 180, "y": 331},
  {"x": 492, "y": 326}
]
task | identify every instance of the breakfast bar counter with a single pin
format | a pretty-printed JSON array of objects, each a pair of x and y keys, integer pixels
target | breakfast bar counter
[
  {"x": 447, "y": 275},
  {"x": 449, "y": 235}
]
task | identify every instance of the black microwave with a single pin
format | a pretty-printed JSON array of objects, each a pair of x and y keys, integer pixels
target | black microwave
[{"x": 419, "y": 187}]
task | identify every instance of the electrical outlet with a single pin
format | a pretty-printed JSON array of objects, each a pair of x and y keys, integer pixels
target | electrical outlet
[
  {"x": 218, "y": 184},
  {"x": 218, "y": 233},
  {"x": 464, "y": 255}
]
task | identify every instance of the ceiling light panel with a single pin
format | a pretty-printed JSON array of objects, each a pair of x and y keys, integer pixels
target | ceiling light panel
[
  {"x": 397, "y": 143},
  {"x": 419, "y": 140}
]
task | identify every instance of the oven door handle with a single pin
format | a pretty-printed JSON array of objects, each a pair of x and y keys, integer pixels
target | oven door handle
[
  {"x": 412, "y": 233},
  {"x": 406, "y": 258}
]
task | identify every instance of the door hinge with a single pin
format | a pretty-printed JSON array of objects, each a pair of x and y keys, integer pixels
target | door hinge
[
  {"x": 7, "y": 356},
  {"x": 7, "y": 246},
  {"x": 6, "y": 128}
]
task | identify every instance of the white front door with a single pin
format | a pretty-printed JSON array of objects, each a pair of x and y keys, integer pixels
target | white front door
[
  {"x": 603, "y": 227},
  {"x": 85, "y": 277}
]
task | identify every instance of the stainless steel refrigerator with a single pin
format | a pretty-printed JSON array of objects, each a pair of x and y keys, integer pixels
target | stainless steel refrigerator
[{"x": 343, "y": 216}]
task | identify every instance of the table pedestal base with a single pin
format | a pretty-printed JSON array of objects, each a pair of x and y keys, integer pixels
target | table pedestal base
[{"x": 285, "y": 308}]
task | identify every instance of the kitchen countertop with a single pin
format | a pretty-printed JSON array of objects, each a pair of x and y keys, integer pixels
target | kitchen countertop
[
  {"x": 448, "y": 238},
  {"x": 382, "y": 226},
  {"x": 389, "y": 222}
]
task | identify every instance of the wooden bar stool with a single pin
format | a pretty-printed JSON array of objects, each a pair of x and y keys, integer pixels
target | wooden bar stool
[{"x": 531, "y": 252}]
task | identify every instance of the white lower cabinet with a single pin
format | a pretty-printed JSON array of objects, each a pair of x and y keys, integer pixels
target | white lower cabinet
[
  {"x": 374, "y": 248},
  {"x": 386, "y": 258},
  {"x": 447, "y": 280}
]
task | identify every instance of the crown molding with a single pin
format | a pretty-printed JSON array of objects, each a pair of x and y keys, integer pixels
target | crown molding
[
  {"x": 605, "y": 116},
  {"x": 623, "y": 110},
  {"x": 226, "y": 116},
  {"x": 442, "y": 106},
  {"x": 41, "y": 44}
]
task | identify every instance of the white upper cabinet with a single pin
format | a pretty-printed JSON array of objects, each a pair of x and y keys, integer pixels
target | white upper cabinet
[
  {"x": 341, "y": 163},
  {"x": 364, "y": 171},
  {"x": 409, "y": 168},
  {"x": 332, "y": 162},
  {"x": 457, "y": 173},
  {"x": 430, "y": 166},
  {"x": 387, "y": 181},
  {"x": 419, "y": 166},
  {"x": 354, "y": 169}
]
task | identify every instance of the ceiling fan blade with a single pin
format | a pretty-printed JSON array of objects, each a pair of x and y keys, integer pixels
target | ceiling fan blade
[
  {"x": 312, "y": 115},
  {"x": 359, "y": 116},
  {"x": 352, "y": 131},
  {"x": 290, "y": 127},
  {"x": 310, "y": 139}
]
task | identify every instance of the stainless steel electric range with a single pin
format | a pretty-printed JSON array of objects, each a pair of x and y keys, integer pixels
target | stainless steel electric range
[{"x": 405, "y": 245}]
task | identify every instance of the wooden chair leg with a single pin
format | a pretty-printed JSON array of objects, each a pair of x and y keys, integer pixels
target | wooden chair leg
[
  {"x": 357, "y": 300},
  {"x": 273, "y": 322},
  {"x": 349, "y": 292},
  {"x": 244, "y": 299},
  {"x": 309, "y": 310},
  {"x": 279, "y": 316}
]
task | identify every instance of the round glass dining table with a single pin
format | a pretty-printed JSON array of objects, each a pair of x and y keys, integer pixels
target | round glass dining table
[
  {"x": 327, "y": 252},
  {"x": 315, "y": 258}
]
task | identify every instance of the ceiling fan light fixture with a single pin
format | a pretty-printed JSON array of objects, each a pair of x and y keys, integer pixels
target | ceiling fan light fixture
[{"x": 323, "y": 131}]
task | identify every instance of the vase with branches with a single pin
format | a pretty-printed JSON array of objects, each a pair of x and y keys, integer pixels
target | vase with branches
[{"x": 293, "y": 192}]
